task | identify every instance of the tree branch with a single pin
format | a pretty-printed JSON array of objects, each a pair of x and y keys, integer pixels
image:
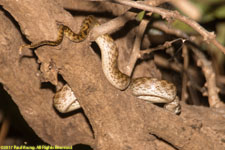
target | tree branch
[{"x": 207, "y": 69}]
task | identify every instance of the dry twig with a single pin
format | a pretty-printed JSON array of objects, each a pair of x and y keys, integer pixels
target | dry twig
[
  {"x": 167, "y": 44},
  {"x": 136, "y": 48},
  {"x": 207, "y": 69},
  {"x": 165, "y": 28},
  {"x": 185, "y": 55},
  {"x": 112, "y": 25}
]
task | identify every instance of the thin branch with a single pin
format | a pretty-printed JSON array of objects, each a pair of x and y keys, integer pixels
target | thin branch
[
  {"x": 168, "y": 14},
  {"x": 112, "y": 25},
  {"x": 185, "y": 55},
  {"x": 207, "y": 69},
  {"x": 163, "y": 62},
  {"x": 165, "y": 28},
  {"x": 156, "y": 2},
  {"x": 209, "y": 37},
  {"x": 136, "y": 48},
  {"x": 166, "y": 45}
]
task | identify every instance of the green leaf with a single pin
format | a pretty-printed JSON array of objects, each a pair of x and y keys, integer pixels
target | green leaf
[
  {"x": 140, "y": 15},
  {"x": 220, "y": 12},
  {"x": 182, "y": 26}
]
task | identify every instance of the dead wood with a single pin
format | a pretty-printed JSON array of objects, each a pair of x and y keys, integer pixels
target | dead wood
[{"x": 119, "y": 121}]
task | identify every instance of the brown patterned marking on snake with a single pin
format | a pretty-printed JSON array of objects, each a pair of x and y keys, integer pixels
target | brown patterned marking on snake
[
  {"x": 109, "y": 57},
  {"x": 86, "y": 26},
  {"x": 153, "y": 89},
  {"x": 65, "y": 100}
]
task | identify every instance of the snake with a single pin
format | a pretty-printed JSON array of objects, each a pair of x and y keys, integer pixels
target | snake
[{"x": 146, "y": 88}]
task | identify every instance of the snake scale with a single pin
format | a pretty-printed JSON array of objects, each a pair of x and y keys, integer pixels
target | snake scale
[{"x": 145, "y": 88}]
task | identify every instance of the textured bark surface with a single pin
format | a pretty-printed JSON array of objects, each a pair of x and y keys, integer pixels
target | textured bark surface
[{"x": 114, "y": 119}]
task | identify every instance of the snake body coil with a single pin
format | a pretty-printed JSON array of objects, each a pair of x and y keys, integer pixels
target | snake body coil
[{"x": 146, "y": 88}]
